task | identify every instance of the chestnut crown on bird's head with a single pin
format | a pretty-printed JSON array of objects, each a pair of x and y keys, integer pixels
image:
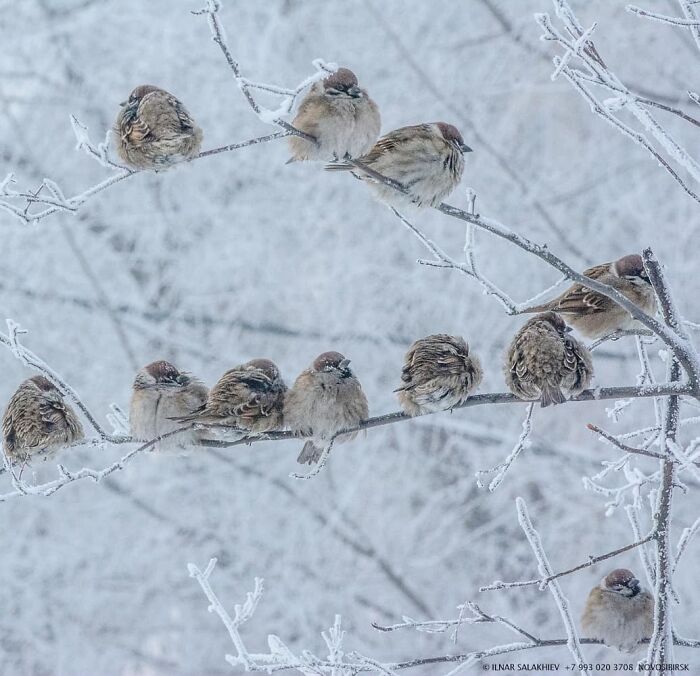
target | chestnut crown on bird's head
[
  {"x": 631, "y": 266},
  {"x": 44, "y": 384},
  {"x": 342, "y": 82},
  {"x": 622, "y": 581},
  {"x": 451, "y": 134},
  {"x": 269, "y": 368},
  {"x": 331, "y": 361},
  {"x": 158, "y": 374},
  {"x": 553, "y": 319},
  {"x": 139, "y": 92}
]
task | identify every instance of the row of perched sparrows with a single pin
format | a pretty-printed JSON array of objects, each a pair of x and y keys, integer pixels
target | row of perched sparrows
[
  {"x": 543, "y": 362},
  {"x": 154, "y": 130}
]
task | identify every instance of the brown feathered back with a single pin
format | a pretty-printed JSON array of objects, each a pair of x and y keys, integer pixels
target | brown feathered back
[{"x": 38, "y": 420}]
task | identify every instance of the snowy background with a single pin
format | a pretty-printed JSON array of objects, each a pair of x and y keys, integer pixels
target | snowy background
[{"x": 239, "y": 256}]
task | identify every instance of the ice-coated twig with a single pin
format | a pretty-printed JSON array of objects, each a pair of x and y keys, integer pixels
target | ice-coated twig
[
  {"x": 478, "y": 616},
  {"x": 242, "y": 613},
  {"x": 56, "y": 200},
  {"x": 67, "y": 476},
  {"x": 684, "y": 540},
  {"x": 443, "y": 260},
  {"x": 27, "y": 357},
  {"x": 211, "y": 9},
  {"x": 549, "y": 577},
  {"x": 545, "y": 569},
  {"x": 502, "y": 467},
  {"x": 663, "y": 18},
  {"x": 623, "y": 447},
  {"x": 633, "y": 516},
  {"x": 579, "y": 46},
  {"x": 660, "y": 649}
]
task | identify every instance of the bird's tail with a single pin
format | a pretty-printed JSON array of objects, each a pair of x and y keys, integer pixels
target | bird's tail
[
  {"x": 533, "y": 309},
  {"x": 190, "y": 417},
  {"x": 339, "y": 166},
  {"x": 310, "y": 454},
  {"x": 185, "y": 418},
  {"x": 551, "y": 394}
]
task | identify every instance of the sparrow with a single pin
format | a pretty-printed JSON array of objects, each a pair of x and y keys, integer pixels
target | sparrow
[
  {"x": 325, "y": 398},
  {"x": 594, "y": 315},
  {"x": 341, "y": 117},
  {"x": 618, "y": 612},
  {"x": 160, "y": 393},
  {"x": 438, "y": 374},
  {"x": 38, "y": 421},
  {"x": 249, "y": 397},
  {"x": 154, "y": 130},
  {"x": 427, "y": 159},
  {"x": 543, "y": 362}
]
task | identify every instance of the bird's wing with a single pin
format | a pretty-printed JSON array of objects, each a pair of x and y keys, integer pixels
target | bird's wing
[
  {"x": 393, "y": 140},
  {"x": 581, "y": 300}
]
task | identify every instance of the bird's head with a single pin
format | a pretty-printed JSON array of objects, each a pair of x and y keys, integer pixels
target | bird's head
[
  {"x": 138, "y": 93},
  {"x": 269, "y": 368},
  {"x": 451, "y": 134},
  {"x": 332, "y": 362},
  {"x": 160, "y": 374},
  {"x": 554, "y": 320},
  {"x": 343, "y": 83},
  {"x": 621, "y": 581},
  {"x": 632, "y": 268}
]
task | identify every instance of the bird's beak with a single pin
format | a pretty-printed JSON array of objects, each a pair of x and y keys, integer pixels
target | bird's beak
[
  {"x": 633, "y": 583},
  {"x": 355, "y": 92},
  {"x": 344, "y": 364},
  {"x": 465, "y": 148},
  {"x": 123, "y": 103},
  {"x": 568, "y": 329}
]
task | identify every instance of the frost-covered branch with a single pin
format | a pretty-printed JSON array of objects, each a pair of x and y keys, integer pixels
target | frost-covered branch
[
  {"x": 597, "y": 394},
  {"x": 27, "y": 357},
  {"x": 542, "y": 582},
  {"x": 578, "y": 47},
  {"x": 533, "y": 537},
  {"x": 520, "y": 445},
  {"x": 281, "y": 658},
  {"x": 22, "y": 488},
  {"x": 268, "y": 116},
  {"x": 689, "y": 19},
  {"x": 53, "y": 200}
]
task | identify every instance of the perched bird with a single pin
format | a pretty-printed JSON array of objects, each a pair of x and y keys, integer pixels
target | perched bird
[
  {"x": 249, "y": 397},
  {"x": 545, "y": 363},
  {"x": 618, "y": 612},
  {"x": 340, "y": 116},
  {"x": 38, "y": 421},
  {"x": 325, "y": 398},
  {"x": 595, "y": 315},
  {"x": 426, "y": 159},
  {"x": 160, "y": 393},
  {"x": 154, "y": 130},
  {"x": 438, "y": 374}
]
